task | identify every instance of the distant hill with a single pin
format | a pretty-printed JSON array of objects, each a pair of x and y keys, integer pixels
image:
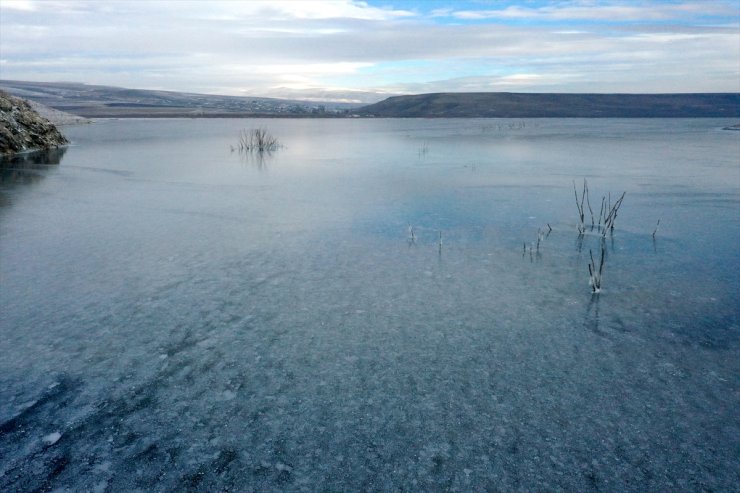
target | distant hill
[
  {"x": 94, "y": 101},
  {"x": 524, "y": 105}
]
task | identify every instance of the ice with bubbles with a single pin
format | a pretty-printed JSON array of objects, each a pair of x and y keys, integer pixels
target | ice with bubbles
[{"x": 375, "y": 305}]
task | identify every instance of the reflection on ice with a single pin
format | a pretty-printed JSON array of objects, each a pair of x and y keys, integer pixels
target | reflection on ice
[
  {"x": 24, "y": 168},
  {"x": 31, "y": 160}
]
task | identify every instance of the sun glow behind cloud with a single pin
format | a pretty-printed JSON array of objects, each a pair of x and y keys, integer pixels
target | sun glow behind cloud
[{"x": 365, "y": 50}]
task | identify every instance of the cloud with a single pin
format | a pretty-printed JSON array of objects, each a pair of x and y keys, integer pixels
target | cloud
[
  {"x": 223, "y": 10},
  {"x": 603, "y": 11},
  {"x": 22, "y": 5},
  {"x": 353, "y": 49}
]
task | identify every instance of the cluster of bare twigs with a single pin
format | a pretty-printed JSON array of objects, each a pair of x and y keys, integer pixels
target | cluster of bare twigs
[
  {"x": 257, "y": 140},
  {"x": 534, "y": 247},
  {"x": 607, "y": 213},
  {"x": 601, "y": 224},
  {"x": 595, "y": 274},
  {"x": 504, "y": 126},
  {"x": 412, "y": 238},
  {"x": 604, "y": 224}
]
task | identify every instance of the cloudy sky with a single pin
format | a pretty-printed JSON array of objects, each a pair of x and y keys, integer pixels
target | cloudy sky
[{"x": 367, "y": 50}]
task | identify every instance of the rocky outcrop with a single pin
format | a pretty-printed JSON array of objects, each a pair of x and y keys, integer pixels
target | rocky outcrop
[{"x": 23, "y": 129}]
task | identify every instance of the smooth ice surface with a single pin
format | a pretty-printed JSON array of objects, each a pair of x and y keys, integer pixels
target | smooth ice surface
[{"x": 181, "y": 317}]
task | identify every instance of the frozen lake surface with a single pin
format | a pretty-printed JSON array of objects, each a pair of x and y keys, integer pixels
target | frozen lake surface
[{"x": 176, "y": 316}]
